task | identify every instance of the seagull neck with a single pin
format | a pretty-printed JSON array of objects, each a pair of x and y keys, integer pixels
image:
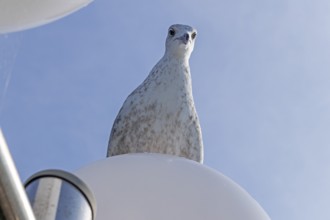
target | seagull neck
[{"x": 176, "y": 60}]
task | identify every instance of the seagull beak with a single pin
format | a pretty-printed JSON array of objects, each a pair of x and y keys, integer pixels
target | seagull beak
[{"x": 184, "y": 38}]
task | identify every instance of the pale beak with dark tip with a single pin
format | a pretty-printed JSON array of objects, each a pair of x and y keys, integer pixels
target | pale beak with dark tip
[{"x": 184, "y": 38}]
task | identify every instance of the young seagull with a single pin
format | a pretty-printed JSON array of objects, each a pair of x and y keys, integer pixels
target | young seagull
[{"x": 159, "y": 116}]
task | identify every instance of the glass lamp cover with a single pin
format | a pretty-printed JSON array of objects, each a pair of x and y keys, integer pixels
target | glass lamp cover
[
  {"x": 153, "y": 186},
  {"x": 17, "y": 15}
]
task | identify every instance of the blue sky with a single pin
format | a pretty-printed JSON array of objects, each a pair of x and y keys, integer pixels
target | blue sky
[{"x": 261, "y": 83}]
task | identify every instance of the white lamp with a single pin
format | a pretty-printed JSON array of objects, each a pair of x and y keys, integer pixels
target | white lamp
[
  {"x": 17, "y": 15},
  {"x": 153, "y": 186}
]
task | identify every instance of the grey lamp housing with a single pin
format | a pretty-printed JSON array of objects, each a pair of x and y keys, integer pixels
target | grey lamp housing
[{"x": 57, "y": 194}]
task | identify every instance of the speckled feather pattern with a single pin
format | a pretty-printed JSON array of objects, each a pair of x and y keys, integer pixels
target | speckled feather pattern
[{"x": 160, "y": 116}]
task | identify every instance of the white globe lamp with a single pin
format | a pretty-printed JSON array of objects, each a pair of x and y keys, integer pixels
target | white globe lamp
[
  {"x": 17, "y": 15},
  {"x": 153, "y": 186}
]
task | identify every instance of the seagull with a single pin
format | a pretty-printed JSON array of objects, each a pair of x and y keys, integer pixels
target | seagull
[{"x": 159, "y": 116}]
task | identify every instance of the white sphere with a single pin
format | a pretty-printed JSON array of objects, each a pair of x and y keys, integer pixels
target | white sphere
[
  {"x": 16, "y": 15},
  {"x": 154, "y": 186}
]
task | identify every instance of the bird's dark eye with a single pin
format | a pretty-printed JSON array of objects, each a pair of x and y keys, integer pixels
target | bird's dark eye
[
  {"x": 171, "y": 32},
  {"x": 193, "y": 35}
]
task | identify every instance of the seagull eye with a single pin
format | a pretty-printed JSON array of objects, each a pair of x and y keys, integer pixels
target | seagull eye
[
  {"x": 193, "y": 35},
  {"x": 171, "y": 32}
]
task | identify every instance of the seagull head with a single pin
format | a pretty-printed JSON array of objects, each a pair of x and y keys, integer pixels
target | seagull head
[{"x": 180, "y": 41}]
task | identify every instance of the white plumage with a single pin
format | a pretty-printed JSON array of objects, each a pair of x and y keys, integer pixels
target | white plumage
[{"x": 159, "y": 116}]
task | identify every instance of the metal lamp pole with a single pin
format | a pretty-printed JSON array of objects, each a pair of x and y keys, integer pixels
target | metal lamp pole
[{"x": 14, "y": 204}]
